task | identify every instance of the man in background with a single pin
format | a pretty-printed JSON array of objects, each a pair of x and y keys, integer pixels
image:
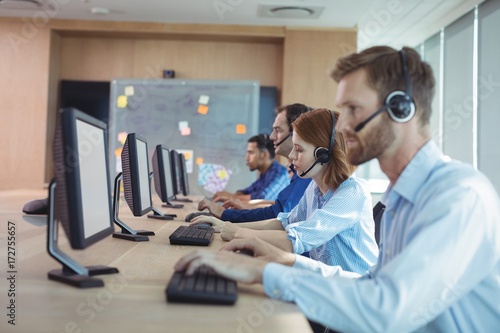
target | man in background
[
  {"x": 290, "y": 195},
  {"x": 273, "y": 177}
]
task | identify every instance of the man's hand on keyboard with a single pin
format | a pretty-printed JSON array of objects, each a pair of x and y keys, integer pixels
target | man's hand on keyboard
[
  {"x": 234, "y": 266},
  {"x": 260, "y": 250},
  {"x": 215, "y": 222},
  {"x": 214, "y": 208}
]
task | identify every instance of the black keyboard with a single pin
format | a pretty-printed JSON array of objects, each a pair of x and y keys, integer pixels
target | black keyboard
[
  {"x": 204, "y": 286},
  {"x": 192, "y": 235}
]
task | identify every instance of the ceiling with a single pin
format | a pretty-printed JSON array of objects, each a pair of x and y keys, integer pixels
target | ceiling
[{"x": 393, "y": 22}]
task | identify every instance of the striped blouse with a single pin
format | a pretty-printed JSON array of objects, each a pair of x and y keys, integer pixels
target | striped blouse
[{"x": 336, "y": 228}]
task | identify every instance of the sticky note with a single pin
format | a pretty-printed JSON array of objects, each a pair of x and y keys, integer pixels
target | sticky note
[
  {"x": 187, "y": 154},
  {"x": 122, "y": 101},
  {"x": 183, "y": 125},
  {"x": 199, "y": 160},
  {"x": 202, "y": 109},
  {"x": 122, "y": 136},
  {"x": 241, "y": 129},
  {"x": 222, "y": 174},
  {"x": 129, "y": 91},
  {"x": 186, "y": 131},
  {"x": 204, "y": 99},
  {"x": 118, "y": 152}
]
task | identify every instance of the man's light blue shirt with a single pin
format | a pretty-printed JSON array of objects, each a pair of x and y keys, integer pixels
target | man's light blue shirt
[
  {"x": 439, "y": 262},
  {"x": 335, "y": 228}
]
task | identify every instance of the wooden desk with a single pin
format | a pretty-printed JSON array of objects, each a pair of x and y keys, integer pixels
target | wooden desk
[{"x": 132, "y": 300}]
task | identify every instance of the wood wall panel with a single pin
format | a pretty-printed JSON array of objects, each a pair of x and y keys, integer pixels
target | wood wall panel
[
  {"x": 23, "y": 111},
  {"x": 53, "y": 101},
  {"x": 91, "y": 58},
  {"x": 309, "y": 56}
]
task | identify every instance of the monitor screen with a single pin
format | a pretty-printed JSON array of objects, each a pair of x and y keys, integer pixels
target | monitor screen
[
  {"x": 83, "y": 200},
  {"x": 162, "y": 174},
  {"x": 135, "y": 168},
  {"x": 185, "y": 180},
  {"x": 176, "y": 171}
]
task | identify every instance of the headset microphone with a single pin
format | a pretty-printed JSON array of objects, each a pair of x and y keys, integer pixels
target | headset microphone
[
  {"x": 309, "y": 169},
  {"x": 362, "y": 124},
  {"x": 284, "y": 139}
]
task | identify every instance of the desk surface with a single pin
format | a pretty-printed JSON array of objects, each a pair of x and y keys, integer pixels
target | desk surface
[{"x": 130, "y": 301}]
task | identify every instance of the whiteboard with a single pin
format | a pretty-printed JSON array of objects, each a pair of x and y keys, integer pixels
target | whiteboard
[{"x": 209, "y": 120}]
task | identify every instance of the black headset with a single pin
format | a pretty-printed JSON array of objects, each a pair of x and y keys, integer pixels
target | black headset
[
  {"x": 399, "y": 104},
  {"x": 322, "y": 154}
]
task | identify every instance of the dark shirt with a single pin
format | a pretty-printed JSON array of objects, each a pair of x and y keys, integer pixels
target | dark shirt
[{"x": 288, "y": 198}]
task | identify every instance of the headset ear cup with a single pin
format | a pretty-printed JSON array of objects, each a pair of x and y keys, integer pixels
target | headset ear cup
[
  {"x": 400, "y": 106},
  {"x": 322, "y": 155}
]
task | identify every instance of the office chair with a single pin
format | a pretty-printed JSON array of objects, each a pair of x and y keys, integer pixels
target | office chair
[{"x": 378, "y": 212}]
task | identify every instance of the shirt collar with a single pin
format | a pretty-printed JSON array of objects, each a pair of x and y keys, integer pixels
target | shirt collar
[
  {"x": 318, "y": 194},
  {"x": 416, "y": 172}
]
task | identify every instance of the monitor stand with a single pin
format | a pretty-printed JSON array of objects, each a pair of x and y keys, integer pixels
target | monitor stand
[
  {"x": 168, "y": 204},
  {"x": 181, "y": 199},
  {"x": 72, "y": 273},
  {"x": 160, "y": 216},
  {"x": 127, "y": 232}
]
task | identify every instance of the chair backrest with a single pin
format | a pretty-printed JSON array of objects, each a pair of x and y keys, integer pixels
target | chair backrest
[{"x": 378, "y": 211}]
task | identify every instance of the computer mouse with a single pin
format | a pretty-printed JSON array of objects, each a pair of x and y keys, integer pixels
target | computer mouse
[
  {"x": 37, "y": 207},
  {"x": 203, "y": 225},
  {"x": 191, "y": 216},
  {"x": 245, "y": 252}
]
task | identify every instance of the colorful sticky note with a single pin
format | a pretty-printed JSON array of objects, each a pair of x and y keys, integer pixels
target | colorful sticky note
[
  {"x": 199, "y": 160},
  {"x": 129, "y": 90},
  {"x": 222, "y": 174},
  {"x": 122, "y": 137},
  {"x": 241, "y": 129},
  {"x": 118, "y": 152},
  {"x": 204, "y": 99},
  {"x": 122, "y": 101},
  {"x": 202, "y": 109},
  {"x": 186, "y": 131},
  {"x": 183, "y": 125}
]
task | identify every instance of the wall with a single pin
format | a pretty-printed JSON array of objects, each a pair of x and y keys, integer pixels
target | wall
[
  {"x": 24, "y": 59},
  {"x": 103, "y": 59},
  {"x": 296, "y": 61},
  {"x": 309, "y": 56}
]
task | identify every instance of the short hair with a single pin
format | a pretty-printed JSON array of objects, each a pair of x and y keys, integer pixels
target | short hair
[
  {"x": 385, "y": 75},
  {"x": 315, "y": 127},
  {"x": 293, "y": 111},
  {"x": 263, "y": 143}
]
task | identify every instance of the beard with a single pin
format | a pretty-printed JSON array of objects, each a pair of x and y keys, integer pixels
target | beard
[{"x": 372, "y": 144}]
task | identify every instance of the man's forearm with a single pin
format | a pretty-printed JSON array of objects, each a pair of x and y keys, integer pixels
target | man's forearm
[
  {"x": 277, "y": 238},
  {"x": 271, "y": 224}
]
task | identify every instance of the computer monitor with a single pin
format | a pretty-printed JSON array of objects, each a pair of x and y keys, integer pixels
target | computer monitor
[
  {"x": 79, "y": 195},
  {"x": 176, "y": 172},
  {"x": 184, "y": 175},
  {"x": 136, "y": 186},
  {"x": 177, "y": 175},
  {"x": 162, "y": 176}
]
